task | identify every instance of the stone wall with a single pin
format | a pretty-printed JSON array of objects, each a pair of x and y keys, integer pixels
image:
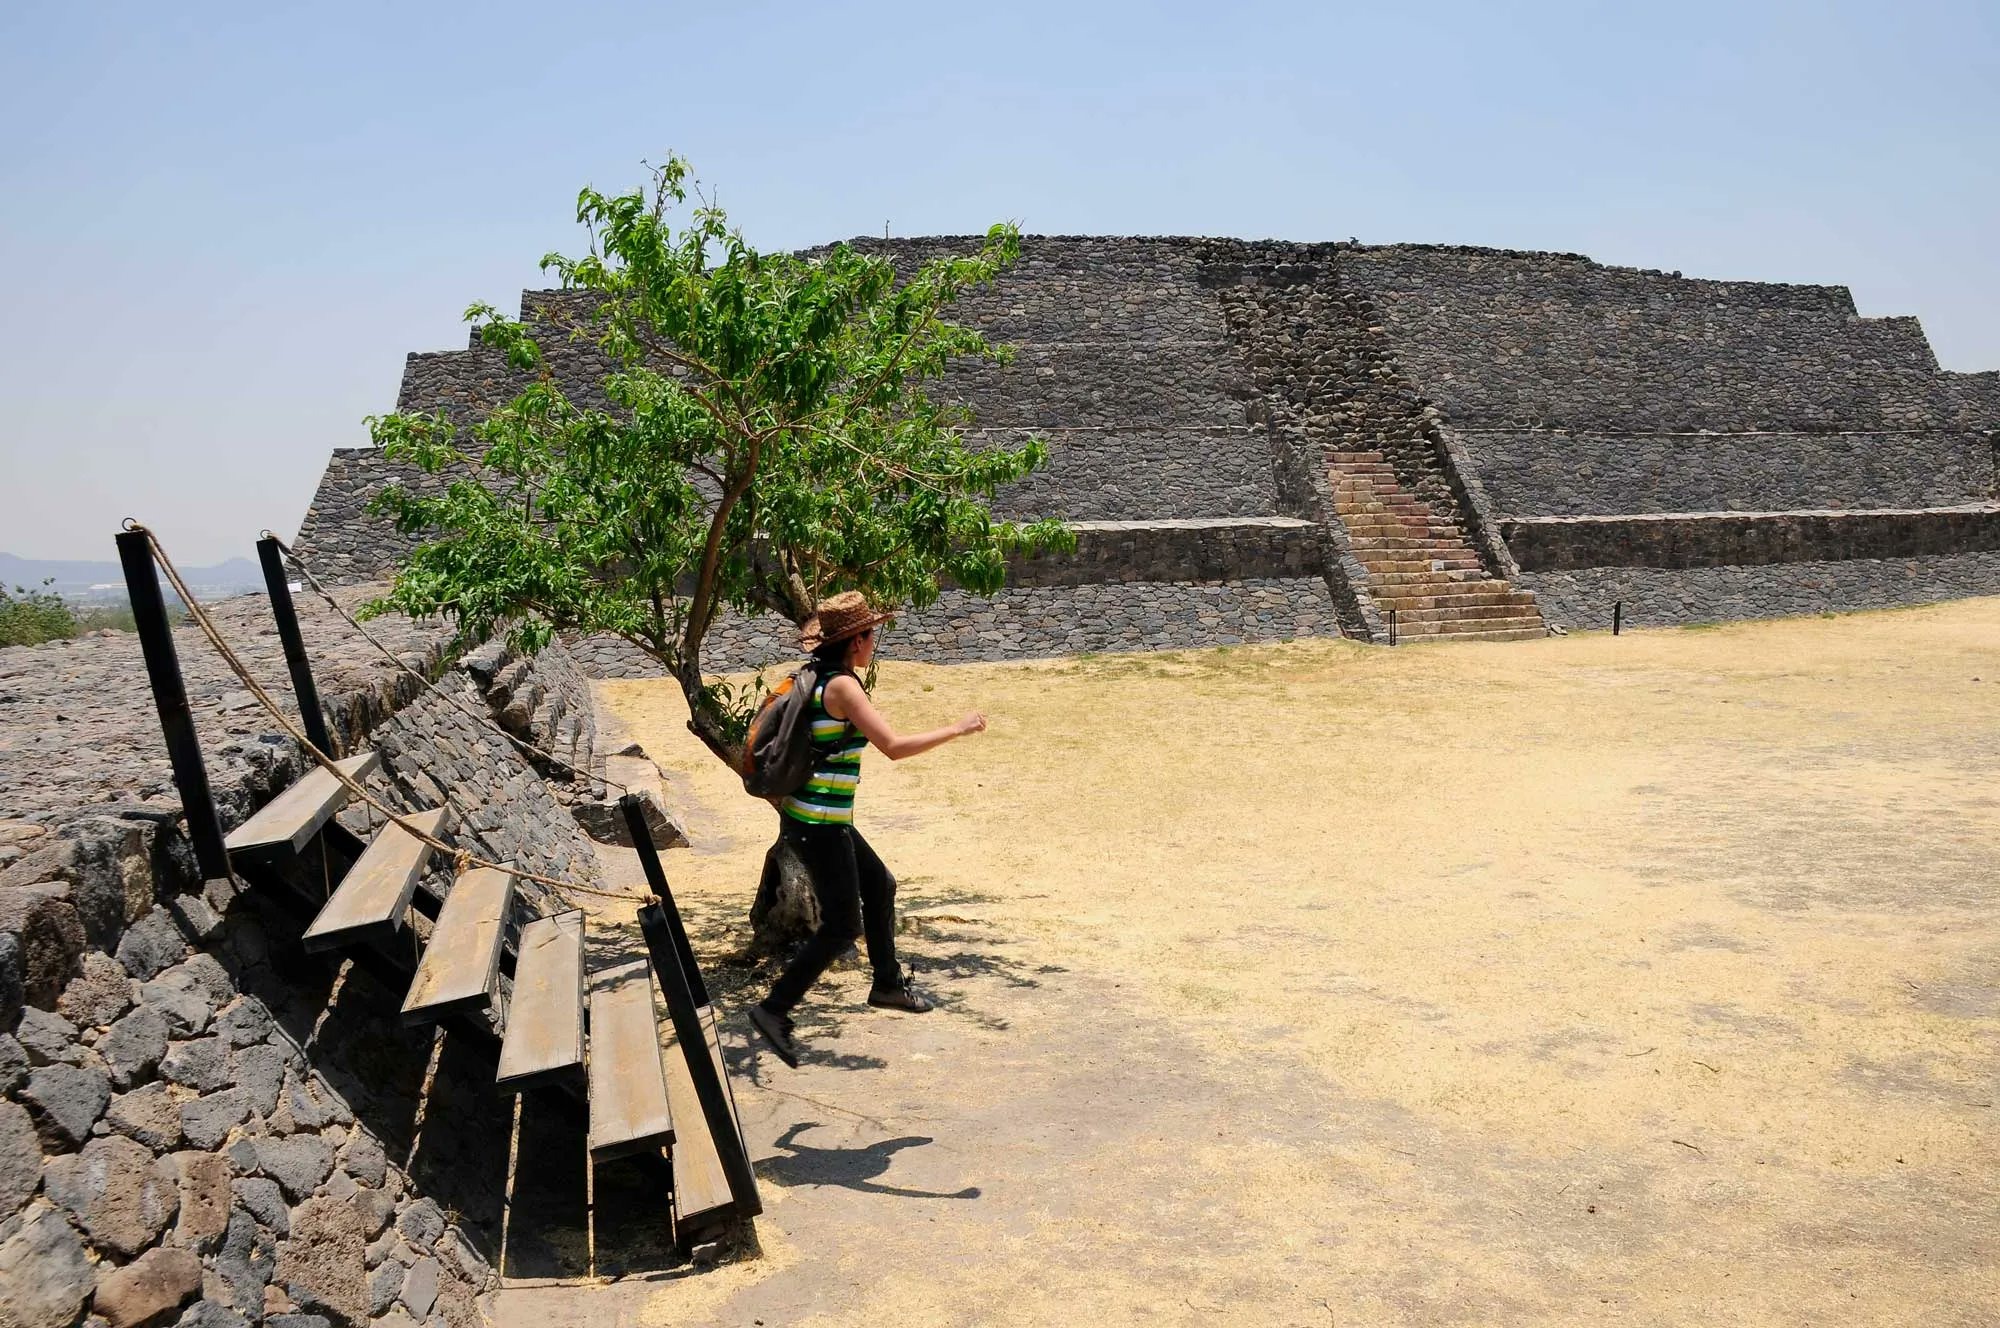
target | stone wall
[
  {"x": 1027, "y": 623},
  {"x": 1555, "y": 472},
  {"x": 1978, "y": 397},
  {"x": 1672, "y": 597},
  {"x": 1748, "y": 539},
  {"x": 202, "y": 1123},
  {"x": 1520, "y": 338},
  {"x": 1578, "y": 388}
]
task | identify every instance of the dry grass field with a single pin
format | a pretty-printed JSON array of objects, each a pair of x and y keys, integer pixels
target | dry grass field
[{"x": 1646, "y": 980}]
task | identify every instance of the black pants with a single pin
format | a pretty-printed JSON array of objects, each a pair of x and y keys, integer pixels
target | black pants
[{"x": 857, "y": 897}]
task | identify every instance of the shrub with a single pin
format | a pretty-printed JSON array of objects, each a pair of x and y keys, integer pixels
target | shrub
[{"x": 30, "y": 617}]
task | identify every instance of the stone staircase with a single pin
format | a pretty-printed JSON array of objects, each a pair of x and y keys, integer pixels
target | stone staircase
[{"x": 1420, "y": 569}]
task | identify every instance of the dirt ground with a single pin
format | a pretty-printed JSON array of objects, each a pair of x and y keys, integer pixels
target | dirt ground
[{"x": 1643, "y": 980}]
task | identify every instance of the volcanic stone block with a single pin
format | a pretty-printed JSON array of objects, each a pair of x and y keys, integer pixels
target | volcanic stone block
[
  {"x": 265, "y": 1202},
  {"x": 242, "y": 1155},
  {"x": 421, "y": 1224},
  {"x": 259, "y": 1072},
  {"x": 117, "y": 1191},
  {"x": 375, "y": 1207},
  {"x": 20, "y": 1158},
  {"x": 150, "y": 1290},
  {"x": 49, "y": 941},
  {"x": 13, "y": 979},
  {"x": 99, "y": 994},
  {"x": 66, "y": 1101},
  {"x": 205, "y": 1195},
  {"x": 364, "y": 1159},
  {"x": 244, "y": 1023},
  {"x": 149, "y": 1114},
  {"x": 151, "y": 945},
  {"x": 181, "y": 999},
  {"x": 133, "y": 1048},
  {"x": 605, "y": 823},
  {"x": 384, "y": 1285},
  {"x": 206, "y": 1121},
  {"x": 458, "y": 1254},
  {"x": 298, "y": 1163},
  {"x": 313, "y": 1105},
  {"x": 45, "y": 1274},
  {"x": 455, "y": 1308},
  {"x": 202, "y": 1065},
  {"x": 13, "y": 1063},
  {"x": 204, "y": 973},
  {"x": 420, "y": 1287},
  {"x": 245, "y": 1264},
  {"x": 322, "y": 1266},
  {"x": 48, "y": 1038},
  {"x": 211, "y": 1314}
]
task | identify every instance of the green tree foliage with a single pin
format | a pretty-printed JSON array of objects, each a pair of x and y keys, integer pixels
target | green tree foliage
[
  {"x": 770, "y": 441},
  {"x": 30, "y": 617}
]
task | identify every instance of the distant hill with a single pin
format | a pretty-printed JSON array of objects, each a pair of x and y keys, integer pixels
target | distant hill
[{"x": 106, "y": 580}]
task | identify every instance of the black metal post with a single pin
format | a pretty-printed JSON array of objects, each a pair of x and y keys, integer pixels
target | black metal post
[
  {"x": 1391, "y": 615},
  {"x": 303, "y": 686},
  {"x": 1617, "y": 616},
  {"x": 724, "y": 1130},
  {"x": 649, "y": 857},
  {"x": 163, "y": 669}
]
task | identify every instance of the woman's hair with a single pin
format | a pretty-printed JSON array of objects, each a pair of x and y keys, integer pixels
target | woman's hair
[{"x": 833, "y": 654}]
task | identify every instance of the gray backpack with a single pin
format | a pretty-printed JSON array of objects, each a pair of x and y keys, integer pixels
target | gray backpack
[{"x": 778, "y": 753}]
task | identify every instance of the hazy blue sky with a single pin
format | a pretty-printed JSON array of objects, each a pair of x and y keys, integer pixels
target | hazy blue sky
[{"x": 223, "y": 226}]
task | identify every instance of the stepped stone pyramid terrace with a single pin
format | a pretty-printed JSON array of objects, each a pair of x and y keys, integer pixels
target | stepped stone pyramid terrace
[{"x": 1261, "y": 440}]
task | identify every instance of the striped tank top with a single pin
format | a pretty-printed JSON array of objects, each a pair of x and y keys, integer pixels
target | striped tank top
[{"x": 827, "y": 797}]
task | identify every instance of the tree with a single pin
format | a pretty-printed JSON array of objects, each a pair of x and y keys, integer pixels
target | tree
[{"x": 770, "y": 440}]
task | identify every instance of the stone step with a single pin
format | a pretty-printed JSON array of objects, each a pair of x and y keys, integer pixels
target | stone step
[
  {"x": 1483, "y": 627},
  {"x": 1404, "y": 603},
  {"x": 1423, "y": 578},
  {"x": 1535, "y": 633},
  {"x": 1407, "y": 545},
  {"x": 1412, "y": 581},
  {"x": 1459, "y": 613}
]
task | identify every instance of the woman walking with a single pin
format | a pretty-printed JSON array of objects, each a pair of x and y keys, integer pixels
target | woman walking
[{"x": 857, "y": 896}]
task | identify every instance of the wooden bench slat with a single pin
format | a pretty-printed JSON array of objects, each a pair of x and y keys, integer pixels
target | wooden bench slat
[
  {"x": 701, "y": 1189},
  {"x": 544, "y": 1036},
  {"x": 294, "y": 816},
  {"x": 629, "y": 1111},
  {"x": 375, "y": 893},
  {"x": 460, "y": 969}
]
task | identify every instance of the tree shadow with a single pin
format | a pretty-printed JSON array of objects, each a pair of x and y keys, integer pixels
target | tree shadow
[{"x": 847, "y": 1168}]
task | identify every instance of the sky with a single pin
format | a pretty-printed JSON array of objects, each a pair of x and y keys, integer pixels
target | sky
[{"x": 222, "y": 227}]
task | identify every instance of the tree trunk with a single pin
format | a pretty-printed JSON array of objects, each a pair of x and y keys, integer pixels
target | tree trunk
[
  {"x": 786, "y": 910},
  {"x": 706, "y": 720}
]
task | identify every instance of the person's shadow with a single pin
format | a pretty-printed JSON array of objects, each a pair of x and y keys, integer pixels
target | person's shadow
[{"x": 849, "y": 1168}]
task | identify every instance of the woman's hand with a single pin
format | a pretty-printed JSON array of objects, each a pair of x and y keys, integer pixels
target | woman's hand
[{"x": 972, "y": 723}]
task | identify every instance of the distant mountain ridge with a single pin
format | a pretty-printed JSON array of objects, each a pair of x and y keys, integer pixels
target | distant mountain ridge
[{"x": 77, "y": 579}]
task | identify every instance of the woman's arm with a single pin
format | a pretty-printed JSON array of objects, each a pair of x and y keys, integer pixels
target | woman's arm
[{"x": 846, "y": 700}]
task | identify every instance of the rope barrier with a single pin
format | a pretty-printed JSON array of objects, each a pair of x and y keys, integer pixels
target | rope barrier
[
  {"x": 462, "y": 859},
  {"x": 449, "y": 699}
]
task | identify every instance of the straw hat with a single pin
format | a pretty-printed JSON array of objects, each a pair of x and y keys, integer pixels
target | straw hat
[{"x": 846, "y": 614}]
